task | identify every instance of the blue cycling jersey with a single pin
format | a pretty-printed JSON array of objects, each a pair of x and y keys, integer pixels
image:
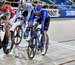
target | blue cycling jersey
[{"x": 43, "y": 15}]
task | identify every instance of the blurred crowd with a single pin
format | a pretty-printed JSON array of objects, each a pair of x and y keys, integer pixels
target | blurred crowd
[{"x": 65, "y": 2}]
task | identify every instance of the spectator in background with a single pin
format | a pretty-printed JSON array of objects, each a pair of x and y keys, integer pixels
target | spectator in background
[
  {"x": 69, "y": 2},
  {"x": 34, "y": 3},
  {"x": 66, "y": 2},
  {"x": 45, "y": 6},
  {"x": 59, "y": 1}
]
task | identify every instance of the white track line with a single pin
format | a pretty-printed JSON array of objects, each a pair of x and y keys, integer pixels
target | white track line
[{"x": 62, "y": 45}]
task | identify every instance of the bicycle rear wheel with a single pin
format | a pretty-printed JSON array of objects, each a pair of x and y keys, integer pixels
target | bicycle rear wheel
[
  {"x": 45, "y": 45},
  {"x": 32, "y": 46}
]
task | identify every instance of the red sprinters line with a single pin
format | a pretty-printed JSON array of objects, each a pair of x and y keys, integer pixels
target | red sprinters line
[{"x": 67, "y": 62}]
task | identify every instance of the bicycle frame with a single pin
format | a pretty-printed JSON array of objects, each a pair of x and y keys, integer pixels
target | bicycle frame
[{"x": 37, "y": 36}]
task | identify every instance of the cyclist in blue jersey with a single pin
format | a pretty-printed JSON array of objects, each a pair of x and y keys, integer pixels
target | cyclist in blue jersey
[{"x": 42, "y": 17}]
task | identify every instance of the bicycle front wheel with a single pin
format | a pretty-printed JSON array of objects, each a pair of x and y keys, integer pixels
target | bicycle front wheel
[
  {"x": 7, "y": 46},
  {"x": 32, "y": 46}
]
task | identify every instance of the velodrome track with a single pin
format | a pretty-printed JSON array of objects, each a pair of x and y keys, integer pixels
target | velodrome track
[{"x": 61, "y": 48}]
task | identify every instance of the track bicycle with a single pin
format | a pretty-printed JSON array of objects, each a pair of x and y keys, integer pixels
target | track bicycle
[
  {"x": 4, "y": 40},
  {"x": 36, "y": 43}
]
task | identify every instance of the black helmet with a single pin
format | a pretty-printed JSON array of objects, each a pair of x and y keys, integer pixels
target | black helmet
[{"x": 2, "y": 2}]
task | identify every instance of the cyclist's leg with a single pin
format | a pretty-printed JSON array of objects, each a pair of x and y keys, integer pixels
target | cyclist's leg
[
  {"x": 46, "y": 26},
  {"x": 7, "y": 28},
  {"x": 37, "y": 23},
  {"x": 7, "y": 31},
  {"x": 44, "y": 33}
]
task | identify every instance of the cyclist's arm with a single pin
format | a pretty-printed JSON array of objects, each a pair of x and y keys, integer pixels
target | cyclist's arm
[
  {"x": 30, "y": 8},
  {"x": 28, "y": 16},
  {"x": 43, "y": 20},
  {"x": 8, "y": 15},
  {"x": 32, "y": 20}
]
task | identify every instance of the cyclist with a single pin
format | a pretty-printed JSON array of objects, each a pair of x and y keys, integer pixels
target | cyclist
[
  {"x": 27, "y": 10},
  {"x": 9, "y": 13},
  {"x": 43, "y": 18}
]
